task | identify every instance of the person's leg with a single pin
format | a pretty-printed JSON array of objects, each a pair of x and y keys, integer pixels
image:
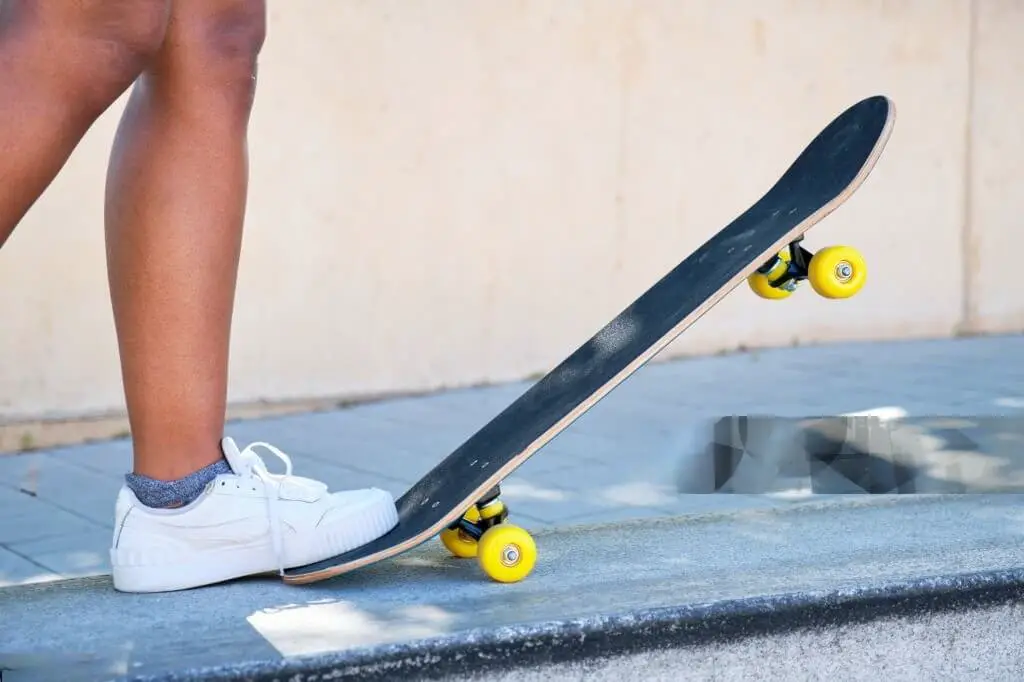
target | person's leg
[
  {"x": 196, "y": 510},
  {"x": 176, "y": 196},
  {"x": 62, "y": 64}
]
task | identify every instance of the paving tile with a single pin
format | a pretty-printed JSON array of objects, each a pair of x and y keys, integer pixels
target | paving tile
[
  {"x": 366, "y": 444},
  {"x": 13, "y": 469},
  {"x": 71, "y": 487},
  {"x": 112, "y": 458},
  {"x": 77, "y": 563},
  {"x": 10, "y": 499},
  {"x": 35, "y": 518},
  {"x": 88, "y": 540},
  {"x": 469, "y": 408},
  {"x": 17, "y": 570}
]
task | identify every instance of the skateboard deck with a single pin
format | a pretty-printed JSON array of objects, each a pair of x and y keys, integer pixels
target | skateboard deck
[{"x": 459, "y": 497}]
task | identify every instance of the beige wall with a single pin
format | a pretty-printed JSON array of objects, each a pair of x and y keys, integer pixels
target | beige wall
[{"x": 457, "y": 191}]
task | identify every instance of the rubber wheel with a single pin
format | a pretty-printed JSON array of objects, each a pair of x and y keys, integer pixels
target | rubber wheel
[
  {"x": 760, "y": 283},
  {"x": 507, "y": 553},
  {"x": 837, "y": 272},
  {"x": 458, "y": 543}
]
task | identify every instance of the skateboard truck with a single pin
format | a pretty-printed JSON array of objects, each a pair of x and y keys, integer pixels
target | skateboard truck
[
  {"x": 834, "y": 272},
  {"x": 786, "y": 272},
  {"x": 505, "y": 552},
  {"x": 489, "y": 512}
]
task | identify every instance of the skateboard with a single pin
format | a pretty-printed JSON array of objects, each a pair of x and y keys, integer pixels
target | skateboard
[{"x": 459, "y": 499}]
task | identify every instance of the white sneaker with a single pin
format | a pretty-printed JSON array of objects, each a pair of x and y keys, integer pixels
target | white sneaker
[{"x": 245, "y": 523}]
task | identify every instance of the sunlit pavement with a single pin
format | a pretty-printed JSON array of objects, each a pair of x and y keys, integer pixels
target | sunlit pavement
[
  {"x": 809, "y": 582},
  {"x": 625, "y": 459}
]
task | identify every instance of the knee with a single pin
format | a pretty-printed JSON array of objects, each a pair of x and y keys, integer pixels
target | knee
[
  {"x": 217, "y": 51},
  {"x": 102, "y": 46},
  {"x": 132, "y": 31},
  {"x": 233, "y": 37}
]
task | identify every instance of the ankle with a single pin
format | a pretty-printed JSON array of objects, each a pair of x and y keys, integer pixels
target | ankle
[{"x": 169, "y": 463}]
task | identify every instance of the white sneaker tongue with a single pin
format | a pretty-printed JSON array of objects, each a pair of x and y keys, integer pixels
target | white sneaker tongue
[{"x": 231, "y": 453}]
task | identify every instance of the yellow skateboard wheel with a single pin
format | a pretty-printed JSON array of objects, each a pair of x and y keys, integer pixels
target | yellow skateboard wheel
[
  {"x": 760, "y": 283},
  {"x": 507, "y": 553},
  {"x": 837, "y": 272},
  {"x": 457, "y": 541}
]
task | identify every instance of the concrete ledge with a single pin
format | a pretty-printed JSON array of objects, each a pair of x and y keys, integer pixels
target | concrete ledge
[
  {"x": 665, "y": 585},
  {"x": 501, "y": 650}
]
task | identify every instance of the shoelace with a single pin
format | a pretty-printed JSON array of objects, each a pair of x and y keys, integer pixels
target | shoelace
[{"x": 253, "y": 466}]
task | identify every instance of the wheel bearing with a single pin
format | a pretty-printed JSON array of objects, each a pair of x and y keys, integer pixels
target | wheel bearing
[
  {"x": 511, "y": 555},
  {"x": 843, "y": 271}
]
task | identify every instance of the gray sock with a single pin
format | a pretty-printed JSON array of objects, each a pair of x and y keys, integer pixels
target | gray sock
[{"x": 167, "y": 494}]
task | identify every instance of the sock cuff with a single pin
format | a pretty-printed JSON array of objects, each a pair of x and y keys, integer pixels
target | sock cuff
[{"x": 165, "y": 494}]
